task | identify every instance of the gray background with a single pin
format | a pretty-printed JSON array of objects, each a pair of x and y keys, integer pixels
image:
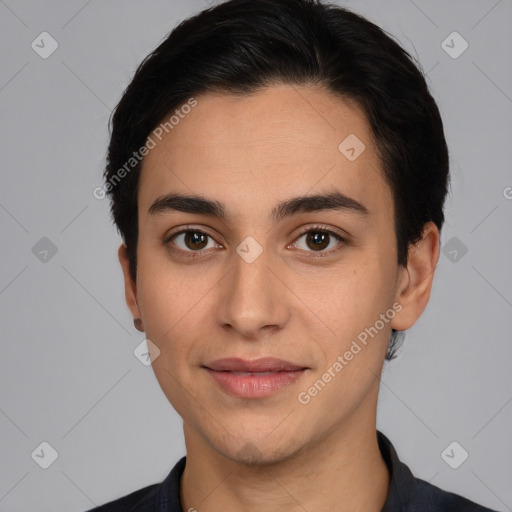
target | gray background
[{"x": 68, "y": 375}]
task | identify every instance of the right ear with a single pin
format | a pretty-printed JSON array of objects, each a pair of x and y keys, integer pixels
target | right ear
[{"x": 130, "y": 289}]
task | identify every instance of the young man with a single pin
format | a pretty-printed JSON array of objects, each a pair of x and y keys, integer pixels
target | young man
[{"x": 277, "y": 170}]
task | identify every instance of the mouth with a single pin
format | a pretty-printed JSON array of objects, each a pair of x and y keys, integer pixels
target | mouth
[
  {"x": 261, "y": 365},
  {"x": 254, "y": 378}
]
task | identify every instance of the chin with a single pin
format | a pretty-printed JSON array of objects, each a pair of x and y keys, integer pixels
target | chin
[{"x": 259, "y": 449}]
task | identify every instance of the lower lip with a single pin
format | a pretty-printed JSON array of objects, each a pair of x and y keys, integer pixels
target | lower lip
[{"x": 255, "y": 385}]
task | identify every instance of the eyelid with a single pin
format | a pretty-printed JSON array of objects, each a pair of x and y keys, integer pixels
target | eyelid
[
  {"x": 324, "y": 228},
  {"x": 185, "y": 229}
]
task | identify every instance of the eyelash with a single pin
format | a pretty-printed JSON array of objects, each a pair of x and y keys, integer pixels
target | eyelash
[{"x": 313, "y": 229}]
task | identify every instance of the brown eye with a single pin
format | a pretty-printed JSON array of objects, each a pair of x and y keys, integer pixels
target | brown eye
[
  {"x": 191, "y": 240},
  {"x": 318, "y": 240},
  {"x": 195, "y": 240}
]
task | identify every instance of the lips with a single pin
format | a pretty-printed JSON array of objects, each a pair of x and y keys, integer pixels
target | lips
[
  {"x": 264, "y": 364},
  {"x": 254, "y": 379}
]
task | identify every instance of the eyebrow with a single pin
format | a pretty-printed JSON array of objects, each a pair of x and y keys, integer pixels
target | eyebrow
[{"x": 302, "y": 204}]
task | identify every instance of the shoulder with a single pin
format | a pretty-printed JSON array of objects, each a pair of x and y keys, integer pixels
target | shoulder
[
  {"x": 410, "y": 494},
  {"x": 138, "y": 500},
  {"x": 161, "y": 497},
  {"x": 445, "y": 501}
]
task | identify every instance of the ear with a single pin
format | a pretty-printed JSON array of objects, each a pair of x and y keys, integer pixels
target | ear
[
  {"x": 415, "y": 281},
  {"x": 130, "y": 290}
]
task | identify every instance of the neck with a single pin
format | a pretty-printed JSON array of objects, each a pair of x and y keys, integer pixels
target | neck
[{"x": 343, "y": 471}]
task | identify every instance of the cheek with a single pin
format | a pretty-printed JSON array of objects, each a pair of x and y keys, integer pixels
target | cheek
[
  {"x": 171, "y": 303},
  {"x": 167, "y": 293},
  {"x": 348, "y": 298},
  {"x": 350, "y": 303},
  {"x": 176, "y": 302}
]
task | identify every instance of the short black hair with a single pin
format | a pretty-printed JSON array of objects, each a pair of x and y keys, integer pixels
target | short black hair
[{"x": 241, "y": 46}]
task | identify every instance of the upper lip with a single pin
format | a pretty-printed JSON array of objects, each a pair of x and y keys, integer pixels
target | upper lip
[{"x": 263, "y": 364}]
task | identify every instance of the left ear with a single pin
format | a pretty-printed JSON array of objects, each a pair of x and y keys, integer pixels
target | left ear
[{"x": 413, "y": 291}]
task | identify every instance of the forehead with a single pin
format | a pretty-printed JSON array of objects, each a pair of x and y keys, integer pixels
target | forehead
[{"x": 254, "y": 150}]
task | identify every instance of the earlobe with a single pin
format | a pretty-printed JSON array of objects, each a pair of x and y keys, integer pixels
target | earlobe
[
  {"x": 130, "y": 289},
  {"x": 413, "y": 292}
]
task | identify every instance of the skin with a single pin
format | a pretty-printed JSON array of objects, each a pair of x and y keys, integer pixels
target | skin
[{"x": 250, "y": 153}]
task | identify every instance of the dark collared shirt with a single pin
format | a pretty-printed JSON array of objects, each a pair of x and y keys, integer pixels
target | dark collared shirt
[{"x": 406, "y": 493}]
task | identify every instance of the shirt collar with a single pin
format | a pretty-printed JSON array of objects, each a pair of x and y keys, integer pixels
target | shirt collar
[{"x": 402, "y": 483}]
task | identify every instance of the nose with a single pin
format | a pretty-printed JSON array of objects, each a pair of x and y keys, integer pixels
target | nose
[{"x": 253, "y": 297}]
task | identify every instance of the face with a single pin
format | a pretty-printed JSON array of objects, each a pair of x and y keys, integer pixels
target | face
[{"x": 301, "y": 283}]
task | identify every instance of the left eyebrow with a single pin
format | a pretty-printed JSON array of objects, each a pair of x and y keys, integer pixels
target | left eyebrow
[{"x": 301, "y": 204}]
